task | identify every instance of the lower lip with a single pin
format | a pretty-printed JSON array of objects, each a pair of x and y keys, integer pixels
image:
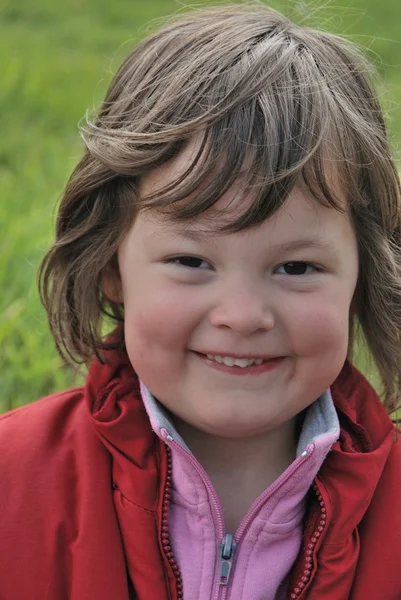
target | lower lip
[{"x": 266, "y": 366}]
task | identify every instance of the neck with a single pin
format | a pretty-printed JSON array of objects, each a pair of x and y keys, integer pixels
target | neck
[{"x": 262, "y": 451}]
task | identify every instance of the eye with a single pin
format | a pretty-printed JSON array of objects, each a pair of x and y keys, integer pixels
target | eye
[
  {"x": 296, "y": 268},
  {"x": 189, "y": 262}
]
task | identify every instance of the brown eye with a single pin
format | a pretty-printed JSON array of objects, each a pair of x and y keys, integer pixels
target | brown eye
[
  {"x": 190, "y": 262},
  {"x": 296, "y": 268}
]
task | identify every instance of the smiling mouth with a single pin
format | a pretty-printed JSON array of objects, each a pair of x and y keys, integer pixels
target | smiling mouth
[{"x": 243, "y": 362}]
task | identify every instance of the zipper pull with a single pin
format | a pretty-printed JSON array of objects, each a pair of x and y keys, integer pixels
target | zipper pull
[{"x": 227, "y": 547}]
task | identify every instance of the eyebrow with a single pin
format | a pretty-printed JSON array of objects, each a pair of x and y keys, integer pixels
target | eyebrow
[
  {"x": 293, "y": 245},
  {"x": 194, "y": 235},
  {"x": 305, "y": 243}
]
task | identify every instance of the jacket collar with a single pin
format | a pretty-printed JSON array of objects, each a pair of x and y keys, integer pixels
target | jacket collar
[{"x": 350, "y": 471}]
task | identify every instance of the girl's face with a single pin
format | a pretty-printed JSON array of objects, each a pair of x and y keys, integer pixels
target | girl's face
[{"x": 280, "y": 292}]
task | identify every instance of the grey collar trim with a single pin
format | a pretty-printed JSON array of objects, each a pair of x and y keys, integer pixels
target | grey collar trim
[
  {"x": 321, "y": 419},
  {"x": 160, "y": 417}
]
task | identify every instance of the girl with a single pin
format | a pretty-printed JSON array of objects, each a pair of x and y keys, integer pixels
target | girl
[{"x": 236, "y": 215}]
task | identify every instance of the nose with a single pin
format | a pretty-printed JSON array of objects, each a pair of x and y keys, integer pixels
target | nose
[{"x": 243, "y": 309}]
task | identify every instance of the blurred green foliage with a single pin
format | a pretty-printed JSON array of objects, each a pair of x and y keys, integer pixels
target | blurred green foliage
[{"x": 57, "y": 60}]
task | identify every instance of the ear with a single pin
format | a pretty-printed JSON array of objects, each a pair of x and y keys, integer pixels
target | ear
[{"x": 111, "y": 282}]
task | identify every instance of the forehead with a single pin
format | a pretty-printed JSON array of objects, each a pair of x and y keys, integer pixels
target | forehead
[{"x": 300, "y": 223}]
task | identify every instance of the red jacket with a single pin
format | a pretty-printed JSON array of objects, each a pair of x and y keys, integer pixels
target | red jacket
[{"x": 85, "y": 486}]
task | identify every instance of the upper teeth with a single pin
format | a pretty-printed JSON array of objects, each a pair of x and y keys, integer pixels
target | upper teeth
[{"x": 238, "y": 362}]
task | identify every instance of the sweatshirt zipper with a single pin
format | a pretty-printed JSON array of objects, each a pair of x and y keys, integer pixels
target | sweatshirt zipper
[
  {"x": 228, "y": 544},
  {"x": 297, "y": 591},
  {"x": 227, "y": 548}
]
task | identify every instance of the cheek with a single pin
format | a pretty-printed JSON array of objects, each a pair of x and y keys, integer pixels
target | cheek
[
  {"x": 159, "y": 321},
  {"x": 320, "y": 327},
  {"x": 319, "y": 341}
]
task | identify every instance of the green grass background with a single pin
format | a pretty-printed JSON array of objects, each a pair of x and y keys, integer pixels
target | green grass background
[{"x": 57, "y": 58}]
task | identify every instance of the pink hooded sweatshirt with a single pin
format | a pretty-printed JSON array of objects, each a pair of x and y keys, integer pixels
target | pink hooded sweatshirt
[{"x": 253, "y": 562}]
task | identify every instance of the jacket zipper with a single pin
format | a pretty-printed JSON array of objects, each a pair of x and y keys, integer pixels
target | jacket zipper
[
  {"x": 297, "y": 591},
  {"x": 165, "y": 535}
]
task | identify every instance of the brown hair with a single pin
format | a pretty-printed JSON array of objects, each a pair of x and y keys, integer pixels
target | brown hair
[{"x": 274, "y": 102}]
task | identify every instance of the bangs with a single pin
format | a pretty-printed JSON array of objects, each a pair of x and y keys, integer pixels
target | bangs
[{"x": 263, "y": 151}]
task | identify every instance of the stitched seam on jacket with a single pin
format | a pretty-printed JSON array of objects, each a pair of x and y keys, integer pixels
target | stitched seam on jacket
[{"x": 151, "y": 512}]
